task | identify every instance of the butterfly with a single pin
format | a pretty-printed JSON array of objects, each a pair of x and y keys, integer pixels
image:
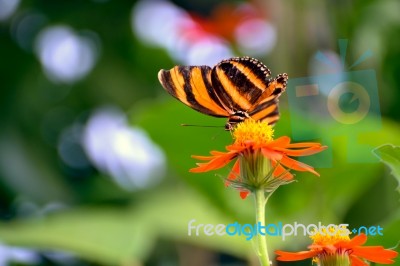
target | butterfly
[{"x": 237, "y": 88}]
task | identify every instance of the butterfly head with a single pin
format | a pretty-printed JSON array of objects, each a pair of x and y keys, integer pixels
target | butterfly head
[{"x": 236, "y": 117}]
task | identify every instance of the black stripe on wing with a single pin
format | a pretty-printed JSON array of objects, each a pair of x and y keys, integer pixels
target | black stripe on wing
[
  {"x": 206, "y": 76},
  {"x": 260, "y": 70},
  {"x": 242, "y": 82},
  {"x": 199, "y": 92},
  {"x": 267, "y": 111},
  {"x": 165, "y": 78}
]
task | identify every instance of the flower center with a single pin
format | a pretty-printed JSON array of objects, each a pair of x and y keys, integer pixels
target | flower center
[
  {"x": 330, "y": 236},
  {"x": 254, "y": 131}
]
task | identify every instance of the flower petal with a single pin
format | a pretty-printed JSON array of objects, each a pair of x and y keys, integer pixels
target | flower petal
[
  {"x": 377, "y": 254},
  {"x": 358, "y": 240},
  {"x": 244, "y": 194},
  {"x": 281, "y": 172},
  {"x": 282, "y": 142},
  {"x": 216, "y": 163},
  {"x": 234, "y": 172},
  {"x": 217, "y": 153},
  {"x": 296, "y": 165},
  {"x": 271, "y": 154},
  {"x": 355, "y": 261},
  {"x": 309, "y": 150},
  {"x": 208, "y": 158},
  {"x": 202, "y": 158},
  {"x": 304, "y": 145},
  {"x": 294, "y": 256},
  {"x": 237, "y": 148}
]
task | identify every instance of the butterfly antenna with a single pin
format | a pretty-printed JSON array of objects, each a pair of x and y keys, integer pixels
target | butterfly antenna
[
  {"x": 190, "y": 125},
  {"x": 216, "y": 135}
]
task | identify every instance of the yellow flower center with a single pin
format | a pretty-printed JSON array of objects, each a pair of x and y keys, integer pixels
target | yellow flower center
[
  {"x": 330, "y": 236},
  {"x": 252, "y": 130}
]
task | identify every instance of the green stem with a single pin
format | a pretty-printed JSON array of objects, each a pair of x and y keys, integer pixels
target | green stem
[{"x": 261, "y": 200}]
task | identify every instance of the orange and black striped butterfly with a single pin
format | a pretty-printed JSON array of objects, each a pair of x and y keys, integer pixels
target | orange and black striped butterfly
[{"x": 237, "y": 88}]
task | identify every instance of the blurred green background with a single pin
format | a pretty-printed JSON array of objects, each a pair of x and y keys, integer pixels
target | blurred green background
[{"x": 93, "y": 160}]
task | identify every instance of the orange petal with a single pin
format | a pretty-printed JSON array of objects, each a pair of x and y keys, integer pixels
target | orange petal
[
  {"x": 236, "y": 148},
  {"x": 303, "y": 152},
  {"x": 304, "y": 145},
  {"x": 296, "y": 165},
  {"x": 235, "y": 171},
  {"x": 216, "y": 163},
  {"x": 358, "y": 240},
  {"x": 208, "y": 158},
  {"x": 217, "y": 153},
  {"x": 281, "y": 172},
  {"x": 244, "y": 194},
  {"x": 271, "y": 154},
  {"x": 294, "y": 256},
  {"x": 202, "y": 158},
  {"x": 376, "y": 254},
  {"x": 282, "y": 142},
  {"x": 355, "y": 261}
]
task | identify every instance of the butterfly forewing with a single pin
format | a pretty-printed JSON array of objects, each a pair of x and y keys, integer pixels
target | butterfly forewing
[
  {"x": 192, "y": 86},
  {"x": 244, "y": 80}
]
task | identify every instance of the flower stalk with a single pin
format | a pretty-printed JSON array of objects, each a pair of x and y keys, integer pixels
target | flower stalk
[{"x": 261, "y": 200}]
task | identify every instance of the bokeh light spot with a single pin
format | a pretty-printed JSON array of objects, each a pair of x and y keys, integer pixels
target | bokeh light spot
[
  {"x": 66, "y": 56},
  {"x": 255, "y": 37},
  {"x": 162, "y": 24},
  {"x": 123, "y": 152},
  {"x": 25, "y": 27},
  {"x": 7, "y": 8}
]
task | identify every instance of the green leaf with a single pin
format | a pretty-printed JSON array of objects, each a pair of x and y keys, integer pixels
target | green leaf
[
  {"x": 390, "y": 155},
  {"x": 390, "y": 232},
  {"x": 126, "y": 236},
  {"x": 105, "y": 235}
]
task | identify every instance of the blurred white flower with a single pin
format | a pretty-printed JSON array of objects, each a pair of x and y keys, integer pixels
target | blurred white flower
[
  {"x": 256, "y": 36},
  {"x": 125, "y": 153},
  {"x": 15, "y": 254},
  {"x": 163, "y": 24},
  {"x": 65, "y": 55},
  {"x": 7, "y": 8}
]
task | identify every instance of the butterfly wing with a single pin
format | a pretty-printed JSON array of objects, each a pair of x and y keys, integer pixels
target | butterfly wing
[
  {"x": 266, "y": 109},
  {"x": 244, "y": 85},
  {"x": 192, "y": 86},
  {"x": 236, "y": 88},
  {"x": 240, "y": 82}
]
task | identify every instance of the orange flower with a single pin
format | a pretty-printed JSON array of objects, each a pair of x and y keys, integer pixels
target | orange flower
[
  {"x": 255, "y": 146},
  {"x": 329, "y": 250}
]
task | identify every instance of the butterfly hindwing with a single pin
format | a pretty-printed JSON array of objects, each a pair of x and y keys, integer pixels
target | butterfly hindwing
[
  {"x": 192, "y": 86},
  {"x": 267, "y": 108},
  {"x": 240, "y": 82},
  {"x": 226, "y": 88}
]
